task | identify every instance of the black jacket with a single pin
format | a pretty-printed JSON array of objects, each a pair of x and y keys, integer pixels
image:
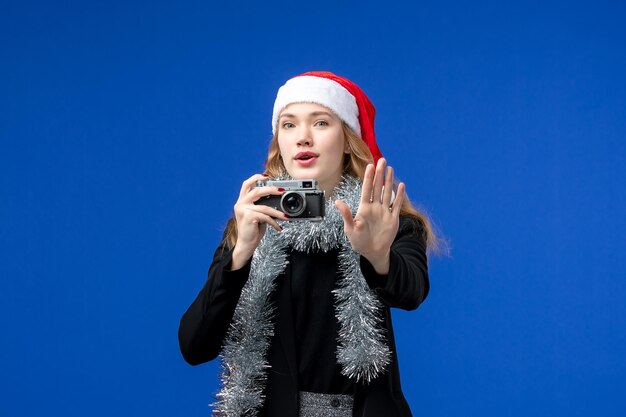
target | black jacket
[{"x": 204, "y": 325}]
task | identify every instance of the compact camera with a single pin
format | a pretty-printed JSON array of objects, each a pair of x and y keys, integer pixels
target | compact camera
[{"x": 302, "y": 200}]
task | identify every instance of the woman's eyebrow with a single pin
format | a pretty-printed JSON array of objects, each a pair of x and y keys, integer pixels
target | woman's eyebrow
[
  {"x": 313, "y": 114},
  {"x": 321, "y": 113}
]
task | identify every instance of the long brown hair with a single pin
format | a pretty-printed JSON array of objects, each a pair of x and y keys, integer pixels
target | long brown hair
[{"x": 354, "y": 164}]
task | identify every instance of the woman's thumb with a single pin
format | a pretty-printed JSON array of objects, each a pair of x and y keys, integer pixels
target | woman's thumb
[{"x": 346, "y": 214}]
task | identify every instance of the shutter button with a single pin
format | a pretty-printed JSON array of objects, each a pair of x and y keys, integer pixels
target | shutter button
[{"x": 335, "y": 402}]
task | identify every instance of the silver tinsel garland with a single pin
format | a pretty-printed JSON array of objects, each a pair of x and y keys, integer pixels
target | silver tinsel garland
[{"x": 362, "y": 350}]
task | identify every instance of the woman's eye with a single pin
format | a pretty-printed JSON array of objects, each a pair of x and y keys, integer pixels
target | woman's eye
[
  {"x": 321, "y": 123},
  {"x": 288, "y": 125}
]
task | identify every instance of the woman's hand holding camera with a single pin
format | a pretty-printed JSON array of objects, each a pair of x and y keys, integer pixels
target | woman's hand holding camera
[
  {"x": 252, "y": 219},
  {"x": 373, "y": 229}
]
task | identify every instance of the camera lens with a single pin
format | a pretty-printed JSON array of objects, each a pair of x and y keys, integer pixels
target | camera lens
[{"x": 293, "y": 203}]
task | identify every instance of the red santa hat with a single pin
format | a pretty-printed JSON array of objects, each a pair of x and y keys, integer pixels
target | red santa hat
[{"x": 339, "y": 94}]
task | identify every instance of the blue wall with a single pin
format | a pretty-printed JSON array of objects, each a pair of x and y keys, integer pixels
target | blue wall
[{"x": 127, "y": 128}]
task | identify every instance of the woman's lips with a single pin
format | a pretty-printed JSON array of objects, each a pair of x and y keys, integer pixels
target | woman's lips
[
  {"x": 305, "y": 158},
  {"x": 307, "y": 161}
]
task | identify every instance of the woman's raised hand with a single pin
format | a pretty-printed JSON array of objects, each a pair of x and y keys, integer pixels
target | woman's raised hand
[
  {"x": 373, "y": 229},
  {"x": 252, "y": 219}
]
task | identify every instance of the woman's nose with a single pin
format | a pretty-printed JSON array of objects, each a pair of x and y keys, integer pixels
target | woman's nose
[{"x": 305, "y": 138}]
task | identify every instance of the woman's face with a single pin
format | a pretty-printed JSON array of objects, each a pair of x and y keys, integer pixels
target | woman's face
[{"x": 312, "y": 144}]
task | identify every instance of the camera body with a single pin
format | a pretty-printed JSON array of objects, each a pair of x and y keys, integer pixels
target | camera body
[{"x": 302, "y": 200}]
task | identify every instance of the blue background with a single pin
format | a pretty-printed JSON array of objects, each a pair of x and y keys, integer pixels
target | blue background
[{"x": 127, "y": 127}]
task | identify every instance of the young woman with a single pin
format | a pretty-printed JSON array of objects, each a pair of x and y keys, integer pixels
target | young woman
[{"x": 300, "y": 310}]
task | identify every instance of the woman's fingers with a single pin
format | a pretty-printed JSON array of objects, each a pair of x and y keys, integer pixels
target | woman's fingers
[
  {"x": 379, "y": 178},
  {"x": 378, "y": 185},
  {"x": 397, "y": 203},
  {"x": 250, "y": 183},
  {"x": 269, "y": 211},
  {"x": 258, "y": 192},
  {"x": 346, "y": 215},
  {"x": 250, "y": 192},
  {"x": 262, "y": 219},
  {"x": 366, "y": 189},
  {"x": 248, "y": 210},
  {"x": 388, "y": 190},
  {"x": 251, "y": 224},
  {"x": 373, "y": 181}
]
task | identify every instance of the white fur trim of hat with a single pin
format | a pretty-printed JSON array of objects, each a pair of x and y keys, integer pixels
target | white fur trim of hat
[{"x": 311, "y": 89}]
